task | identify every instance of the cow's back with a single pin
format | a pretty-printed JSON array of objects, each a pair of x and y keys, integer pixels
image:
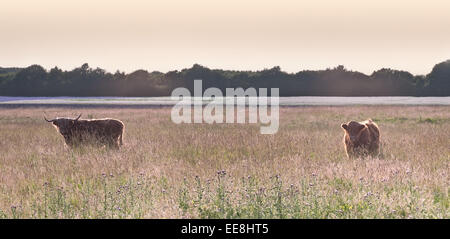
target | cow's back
[
  {"x": 114, "y": 126},
  {"x": 374, "y": 142},
  {"x": 100, "y": 126},
  {"x": 107, "y": 125},
  {"x": 374, "y": 130}
]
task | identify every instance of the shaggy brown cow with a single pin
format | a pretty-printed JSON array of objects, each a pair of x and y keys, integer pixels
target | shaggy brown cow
[
  {"x": 361, "y": 138},
  {"x": 76, "y": 131}
]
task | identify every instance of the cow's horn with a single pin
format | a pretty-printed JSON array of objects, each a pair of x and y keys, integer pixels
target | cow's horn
[
  {"x": 48, "y": 120},
  {"x": 78, "y": 117}
]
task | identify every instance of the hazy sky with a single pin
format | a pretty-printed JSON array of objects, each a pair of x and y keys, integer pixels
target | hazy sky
[{"x": 252, "y": 35}]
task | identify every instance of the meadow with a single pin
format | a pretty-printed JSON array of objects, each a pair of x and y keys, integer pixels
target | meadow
[{"x": 167, "y": 170}]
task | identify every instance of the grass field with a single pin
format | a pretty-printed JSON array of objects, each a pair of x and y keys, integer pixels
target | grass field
[{"x": 167, "y": 170}]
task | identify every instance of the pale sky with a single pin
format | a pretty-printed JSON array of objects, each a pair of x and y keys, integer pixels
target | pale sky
[{"x": 252, "y": 35}]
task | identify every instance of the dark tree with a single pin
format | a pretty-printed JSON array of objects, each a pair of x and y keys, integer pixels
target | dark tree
[{"x": 86, "y": 81}]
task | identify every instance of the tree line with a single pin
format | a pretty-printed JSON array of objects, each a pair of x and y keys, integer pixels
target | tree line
[{"x": 86, "y": 81}]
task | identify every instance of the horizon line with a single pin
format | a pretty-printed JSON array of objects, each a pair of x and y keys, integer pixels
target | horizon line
[{"x": 224, "y": 69}]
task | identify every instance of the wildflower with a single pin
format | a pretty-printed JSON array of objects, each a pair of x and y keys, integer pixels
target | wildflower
[
  {"x": 368, "y": 194},
  {"x": 221, "y": 172}
]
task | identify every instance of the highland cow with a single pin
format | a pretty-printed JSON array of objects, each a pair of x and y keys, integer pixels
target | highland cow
[
  {"x": 361, "y": 138},
  {"x": 76, "y": 131}
]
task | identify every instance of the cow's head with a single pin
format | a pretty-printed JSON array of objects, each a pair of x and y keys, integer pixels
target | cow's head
[
  {"x": 63, "y": 124},
  {"x": 354, "y": 130}
]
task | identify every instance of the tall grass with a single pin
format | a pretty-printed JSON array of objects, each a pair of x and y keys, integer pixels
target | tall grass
[{"x": 167, "y": 170}]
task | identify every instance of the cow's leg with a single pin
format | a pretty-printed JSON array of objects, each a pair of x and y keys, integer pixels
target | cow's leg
[
  {"x": 351, "y": 154},
  {"x": 350, "y": 151},
  {"x": 68, "y": 143},
  {"x": 120, "y": 139},
  {"x": 375, "y": 150},
  {"x": 113, "y": 143}
]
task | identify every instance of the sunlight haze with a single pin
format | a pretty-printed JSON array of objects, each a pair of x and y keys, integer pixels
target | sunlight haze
[{"x": 252, "y": 35}]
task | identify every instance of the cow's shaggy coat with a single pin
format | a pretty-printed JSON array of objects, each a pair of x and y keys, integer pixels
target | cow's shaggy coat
[
  {"x": 103, "y": 131},
  {"x": 361, "y": 138}
]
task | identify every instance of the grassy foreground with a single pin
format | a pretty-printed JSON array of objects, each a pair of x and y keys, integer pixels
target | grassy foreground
[{"x": 167, "y": 170}]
